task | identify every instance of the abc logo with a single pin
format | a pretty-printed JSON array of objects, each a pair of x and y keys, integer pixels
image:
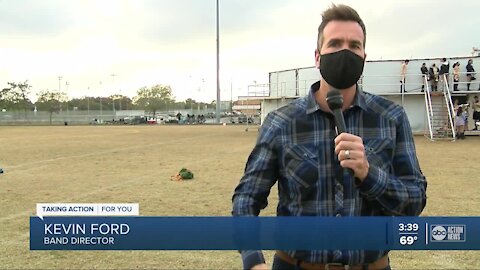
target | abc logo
[{"x": 439, "y": 233}]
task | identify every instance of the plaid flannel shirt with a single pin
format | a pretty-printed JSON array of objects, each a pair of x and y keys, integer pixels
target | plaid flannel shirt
[{"x": 295, "y": 147}]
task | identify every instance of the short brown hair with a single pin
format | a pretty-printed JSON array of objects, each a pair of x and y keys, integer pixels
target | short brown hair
[{"x": 339, "y": 13}]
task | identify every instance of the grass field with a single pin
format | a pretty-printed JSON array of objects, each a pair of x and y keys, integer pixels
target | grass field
[{"x": 134, "y": 164}]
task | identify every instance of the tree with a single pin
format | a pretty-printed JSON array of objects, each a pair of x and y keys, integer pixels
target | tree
[
  {"x": 15, "y": 97},
  {"x": 212, "y": 104},
  {"x": 190, "y": 104},
  {"x": 3, "y": 102},
  {"x": 51, "y": 101},
  {"x": 93, "y": 103},
  {"x": 154, "y": 98},
  {"x": 121, "y": 102}
]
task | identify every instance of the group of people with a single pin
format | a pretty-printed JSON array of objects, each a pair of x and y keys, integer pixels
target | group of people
[
  {"x": 434, "y": 74},
  {"x": 461, "y": 116},
  {"x": 192, "y": 119}
]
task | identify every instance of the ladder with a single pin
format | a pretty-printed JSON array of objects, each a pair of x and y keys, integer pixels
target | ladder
[{"x": 440, "y": 112}]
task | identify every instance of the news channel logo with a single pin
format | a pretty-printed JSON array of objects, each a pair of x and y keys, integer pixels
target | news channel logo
[{"x": 448, "y": 233}]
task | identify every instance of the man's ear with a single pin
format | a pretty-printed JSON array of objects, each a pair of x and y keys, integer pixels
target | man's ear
[{"x": 317, "y": 59}]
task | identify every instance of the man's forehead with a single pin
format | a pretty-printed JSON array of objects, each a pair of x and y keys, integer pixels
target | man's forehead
[{"x": 338, "y": 29}]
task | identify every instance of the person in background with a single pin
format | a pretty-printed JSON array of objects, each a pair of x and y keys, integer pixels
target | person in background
[
  {"x": 299, "y": 148},
  {"x": 403, "y": 74},
  {"x": 444, "y": 70},
  {"x": 476, "y": 112},
  {"x": 460, "y": 123},
  {"x": 425, "y": 74},
  {"x": 434, "y": 77},
  {"x": 470, "y": 73},
  {"x": 456, "y": 75},
  {"x": 466, "y": 114},
  {"x": 455, "y": 106}
]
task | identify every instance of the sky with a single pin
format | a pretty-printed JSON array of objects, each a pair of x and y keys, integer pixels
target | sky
[{"x": 109, "y": 47}]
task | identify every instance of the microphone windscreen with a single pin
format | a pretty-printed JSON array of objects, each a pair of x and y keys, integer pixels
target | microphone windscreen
[{"x": 334, "y": 99}]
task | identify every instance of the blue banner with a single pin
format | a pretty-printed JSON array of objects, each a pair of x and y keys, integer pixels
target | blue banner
[{"x": 245, "y": 233}]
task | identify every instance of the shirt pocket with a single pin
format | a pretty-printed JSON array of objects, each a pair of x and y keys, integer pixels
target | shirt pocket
[
  {"x": 379, "y": 151},
  {"x": 302, "y": 165}
]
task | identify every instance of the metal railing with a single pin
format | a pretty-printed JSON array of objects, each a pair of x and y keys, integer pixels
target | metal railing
[
  {"x": 449, "y": 103},
  {"x": 428, "y": 105}
]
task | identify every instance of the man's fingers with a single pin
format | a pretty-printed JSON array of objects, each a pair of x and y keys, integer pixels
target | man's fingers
[
  {"x": 348, "y": 137},
  {"x": 351, "y": 164},
  {"x": 350, "y": 154},
  {"x": 348, "y": 145}
]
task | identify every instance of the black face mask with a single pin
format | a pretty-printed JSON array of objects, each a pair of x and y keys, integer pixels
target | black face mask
[{"x": 341, "y": 69}]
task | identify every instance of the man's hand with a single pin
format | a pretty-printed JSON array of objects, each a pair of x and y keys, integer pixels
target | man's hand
[
  {"x": 351, "y": 154},
  {"x": 261, "y": 267}
]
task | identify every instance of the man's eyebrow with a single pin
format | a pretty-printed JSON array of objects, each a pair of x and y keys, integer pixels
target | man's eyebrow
[
  {"x": 355, "y": 42},
  {"x": 335, "y": 40}
]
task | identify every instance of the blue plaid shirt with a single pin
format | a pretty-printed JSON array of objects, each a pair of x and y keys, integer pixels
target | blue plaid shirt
[{"x": 295, "y": 147}]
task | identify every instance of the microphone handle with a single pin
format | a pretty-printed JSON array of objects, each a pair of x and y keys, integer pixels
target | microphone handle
[
  {"x": 339, "y": 121},
  {"x": 341, "y": 128}
]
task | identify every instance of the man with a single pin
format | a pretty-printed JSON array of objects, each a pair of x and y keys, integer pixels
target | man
[
  {"x": 425, "y": 77},
  {"x": 434, "y": 77},
  {"x": 470, "y": 73},
  {"x": 298, "y": 147},
  {"x": 476, "y": 112},
  {"x": 403, "y": 74},
  {"x": 444, "y": 69}
]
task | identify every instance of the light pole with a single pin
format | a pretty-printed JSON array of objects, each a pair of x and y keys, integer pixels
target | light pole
[
  {"x": 66, "y": 87},
  {"x": 60, "y": 86},
  {"x": 218, "y": 67},
  {"x": 59, "y": 83},
  {"x": 88, "y": 102},
  {"x": 202, "y": 89},
  {"x": 113, "y": 93},
  {"x": 101, "y": 112}
]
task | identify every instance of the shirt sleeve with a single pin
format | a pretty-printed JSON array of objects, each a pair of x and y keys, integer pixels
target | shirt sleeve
[
  {"x": 261, "y": 173},
  {"x": 403, "y": 191},
  {"x": 250, "y": 258}
]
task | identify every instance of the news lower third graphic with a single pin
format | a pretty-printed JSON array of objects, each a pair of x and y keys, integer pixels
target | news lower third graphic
[
  {"x": 447, "y": 233},
  {"x": 87, "y": 209},
  {"x": 119, "y": 227}
]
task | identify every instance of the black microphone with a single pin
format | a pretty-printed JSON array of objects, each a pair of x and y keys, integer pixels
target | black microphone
[{"x": 335, "y": 103}]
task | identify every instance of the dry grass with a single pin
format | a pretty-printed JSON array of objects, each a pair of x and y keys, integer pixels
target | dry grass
[{"x": 134, "y": 164}]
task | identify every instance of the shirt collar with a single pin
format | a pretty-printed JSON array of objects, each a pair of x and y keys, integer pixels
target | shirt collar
[{"x": 312, "y": 105}]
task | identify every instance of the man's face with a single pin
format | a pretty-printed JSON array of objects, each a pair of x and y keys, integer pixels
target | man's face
[{"x": 339, "y": 35}]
